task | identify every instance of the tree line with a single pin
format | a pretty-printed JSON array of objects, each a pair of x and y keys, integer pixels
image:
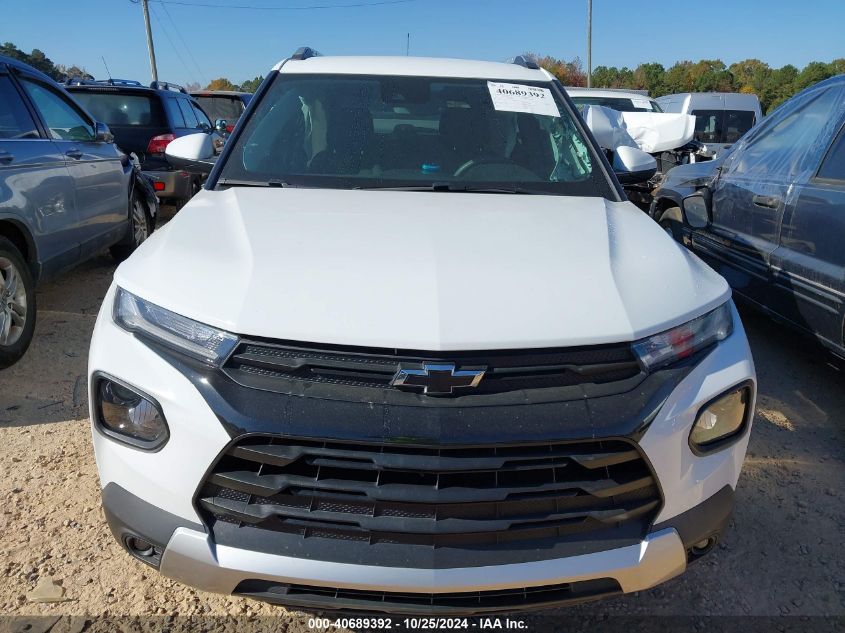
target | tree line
[{"x": 773, "y": 86}]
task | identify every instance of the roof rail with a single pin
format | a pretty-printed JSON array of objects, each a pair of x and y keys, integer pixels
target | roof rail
[
  {"x": 521, "y": 60},
  {"x": 165, "y": 85},
  {"x": 306, "y": 52},
  {"x": 81, "y": 81}
]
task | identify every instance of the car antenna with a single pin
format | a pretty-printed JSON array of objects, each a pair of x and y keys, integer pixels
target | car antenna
[{"x": 108, "y": 72}]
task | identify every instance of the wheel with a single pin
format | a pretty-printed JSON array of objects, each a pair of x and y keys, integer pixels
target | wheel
[
  {"x": 17, "y": 304},
  {"x": 140, "y": 227}
]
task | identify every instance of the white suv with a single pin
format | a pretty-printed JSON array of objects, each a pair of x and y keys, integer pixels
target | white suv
[{"x": 410, "y": 350}]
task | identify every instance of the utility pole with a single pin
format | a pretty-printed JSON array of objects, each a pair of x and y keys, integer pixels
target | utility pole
[
  {"x": 152, "y": 50},
  {"x": 589, "y": 43},
  {"x": 408, "y": 46}
]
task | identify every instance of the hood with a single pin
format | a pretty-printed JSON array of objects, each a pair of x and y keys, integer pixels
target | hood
[
  {"x": 693, "y": 175},
  {"x": 421, "y": 270}
]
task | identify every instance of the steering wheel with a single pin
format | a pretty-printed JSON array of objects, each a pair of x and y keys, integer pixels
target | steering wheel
[{"x": 519, "y": 171}]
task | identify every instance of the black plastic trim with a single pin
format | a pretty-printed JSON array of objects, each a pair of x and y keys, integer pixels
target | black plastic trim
[
  {"x": 129, "y": 515},
  {"x": 149, "y": 447},
  {"x": 520, "y": 599},
  {"x": 708, "y": 518},
  {"x": 702, "y": 450}
]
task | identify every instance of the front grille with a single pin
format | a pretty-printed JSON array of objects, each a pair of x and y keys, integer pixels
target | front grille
[
  {"x": 471, "y": 602},
  {"x": 456, "y": 497},
  {"x": 269, "y": 365}
]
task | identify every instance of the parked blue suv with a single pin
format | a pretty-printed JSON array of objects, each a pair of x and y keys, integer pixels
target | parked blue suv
[{"x": 66, "y": 193}]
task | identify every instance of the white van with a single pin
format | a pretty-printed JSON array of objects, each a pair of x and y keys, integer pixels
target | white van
[{"x": 721, "y": 117}]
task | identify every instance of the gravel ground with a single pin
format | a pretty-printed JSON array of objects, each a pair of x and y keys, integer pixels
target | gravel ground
[{"x": 782, "y": 555}]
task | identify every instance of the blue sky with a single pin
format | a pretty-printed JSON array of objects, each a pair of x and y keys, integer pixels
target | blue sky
[{"x": 241, "y": 44}]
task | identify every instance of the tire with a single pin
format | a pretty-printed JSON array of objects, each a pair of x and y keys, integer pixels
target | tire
[
  {"x": 139, "y": 229},
  {"x": 17, "y": 304},
  {"x": 670, "y": 222}
]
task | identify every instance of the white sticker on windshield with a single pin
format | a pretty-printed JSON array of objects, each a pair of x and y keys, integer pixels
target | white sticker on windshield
[
  {"x": 519, "y": 98},
  {"x": 645, "y": 104}
]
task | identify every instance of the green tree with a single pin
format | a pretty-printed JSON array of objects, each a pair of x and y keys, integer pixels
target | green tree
[
  {"x": 678, "y": 78},
  {"x": 711, "y": 75},
  {"x": 837, "y": 67},
  {"x": 251, "y": 85},
  {"x": 813, "y": 73},
  {"x": 650, "y": 77}
]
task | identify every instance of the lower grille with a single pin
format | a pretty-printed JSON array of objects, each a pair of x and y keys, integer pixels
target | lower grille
[
  {"x": 431, "y": 497},
  {"x": 518, "y": 599}
]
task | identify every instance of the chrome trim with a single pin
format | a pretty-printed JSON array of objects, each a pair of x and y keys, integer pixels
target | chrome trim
[
  {"x": 192, "y": 558},
  {"x": 415, "y": 377}
]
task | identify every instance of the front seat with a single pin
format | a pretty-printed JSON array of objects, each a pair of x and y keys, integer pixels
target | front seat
[{"x": 349, "y": 136}]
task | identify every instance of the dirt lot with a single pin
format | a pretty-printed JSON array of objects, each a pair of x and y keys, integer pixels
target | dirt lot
[{"x": 782, "y": 556}]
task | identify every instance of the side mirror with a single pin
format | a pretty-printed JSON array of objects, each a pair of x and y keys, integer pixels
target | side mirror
[
  {"x": 222, "y": 126},
  {"x": 193, "y": 153},
  {"x": 102, "y": 133},
  {"x": 633, "y": 165},
  {"x": 696, "y": 209}
]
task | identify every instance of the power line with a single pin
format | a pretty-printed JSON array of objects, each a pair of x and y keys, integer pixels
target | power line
[
  {"x": 184, "y": 43},
  {"x": 356, "y": 5},
  {"x": 175, "y": 50}
]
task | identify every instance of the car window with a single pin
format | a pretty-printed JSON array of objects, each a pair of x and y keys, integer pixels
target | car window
[
  {"x": 188, "y": 113},
  {"x": 63, "y": 120},
  {"x": 228, "y": 108},
  {"x": 620, "y": 104},
  {"x": 793, "y": 137},
  {"x": 737, "y": 123},
  {"x": 201, "y": 117},
  {"x": 117, "y": 109},
  {"x": 348, "y": 131},
  {"x": 708, "y": 125},
  {"x": 833, "y": 167},
  {"x": 15, "y": 120},
  {"x": 174, "y": 112}
]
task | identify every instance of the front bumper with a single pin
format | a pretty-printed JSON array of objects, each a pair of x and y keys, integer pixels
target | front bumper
[{"x": 168, "y": 479}]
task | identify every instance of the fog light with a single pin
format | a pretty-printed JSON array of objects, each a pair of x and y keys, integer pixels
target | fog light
[
  {"x": 129, "y": 416},
  {"x": 721, "y": 420}
]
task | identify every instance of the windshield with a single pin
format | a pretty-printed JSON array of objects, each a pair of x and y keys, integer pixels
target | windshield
[
  {"x": 228, "y": 108},
  {"x": 621, "y": 104},
  {"x": 116, "y": 109},
  {"x": 348, "y": 131}
]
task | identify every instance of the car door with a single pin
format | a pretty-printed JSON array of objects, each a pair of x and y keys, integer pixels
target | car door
[
  {"x": 101, "y": 184},
  {"x": 809, "y": 264},
  {"x": 36, "y": 189},
  {"x": 756, "y": 186}
]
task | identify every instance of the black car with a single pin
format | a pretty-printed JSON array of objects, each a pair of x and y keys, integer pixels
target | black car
[
  {"x": 227, "y": 105},
  {"x": 770, "y": 214},
  {"x": 66, "y": 193},
  {"x": 144, "y": 119}
]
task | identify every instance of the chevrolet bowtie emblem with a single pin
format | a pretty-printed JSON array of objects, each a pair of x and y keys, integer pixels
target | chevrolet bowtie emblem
[{"x": 437, "y": 378}]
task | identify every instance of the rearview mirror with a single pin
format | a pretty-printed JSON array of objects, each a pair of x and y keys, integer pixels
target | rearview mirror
[
  {"x": 633, "y": 165},
  {"x": 193, "y": 153},
  {"x": 696, "y": 209},
  {"x": 102, "y": 133}
]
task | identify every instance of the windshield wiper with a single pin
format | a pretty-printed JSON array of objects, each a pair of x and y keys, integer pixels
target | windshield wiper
[
  {"x": 234, "y": 182},
  {"x": 454, "y": 188}
]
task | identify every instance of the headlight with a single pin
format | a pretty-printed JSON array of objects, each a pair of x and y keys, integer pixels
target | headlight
[
  {"x": 684, "y": 340},
  {"x": 721, "y": 420},
  {"x": 127, "y": 415},
  {"x": 196, "y": 339}
]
